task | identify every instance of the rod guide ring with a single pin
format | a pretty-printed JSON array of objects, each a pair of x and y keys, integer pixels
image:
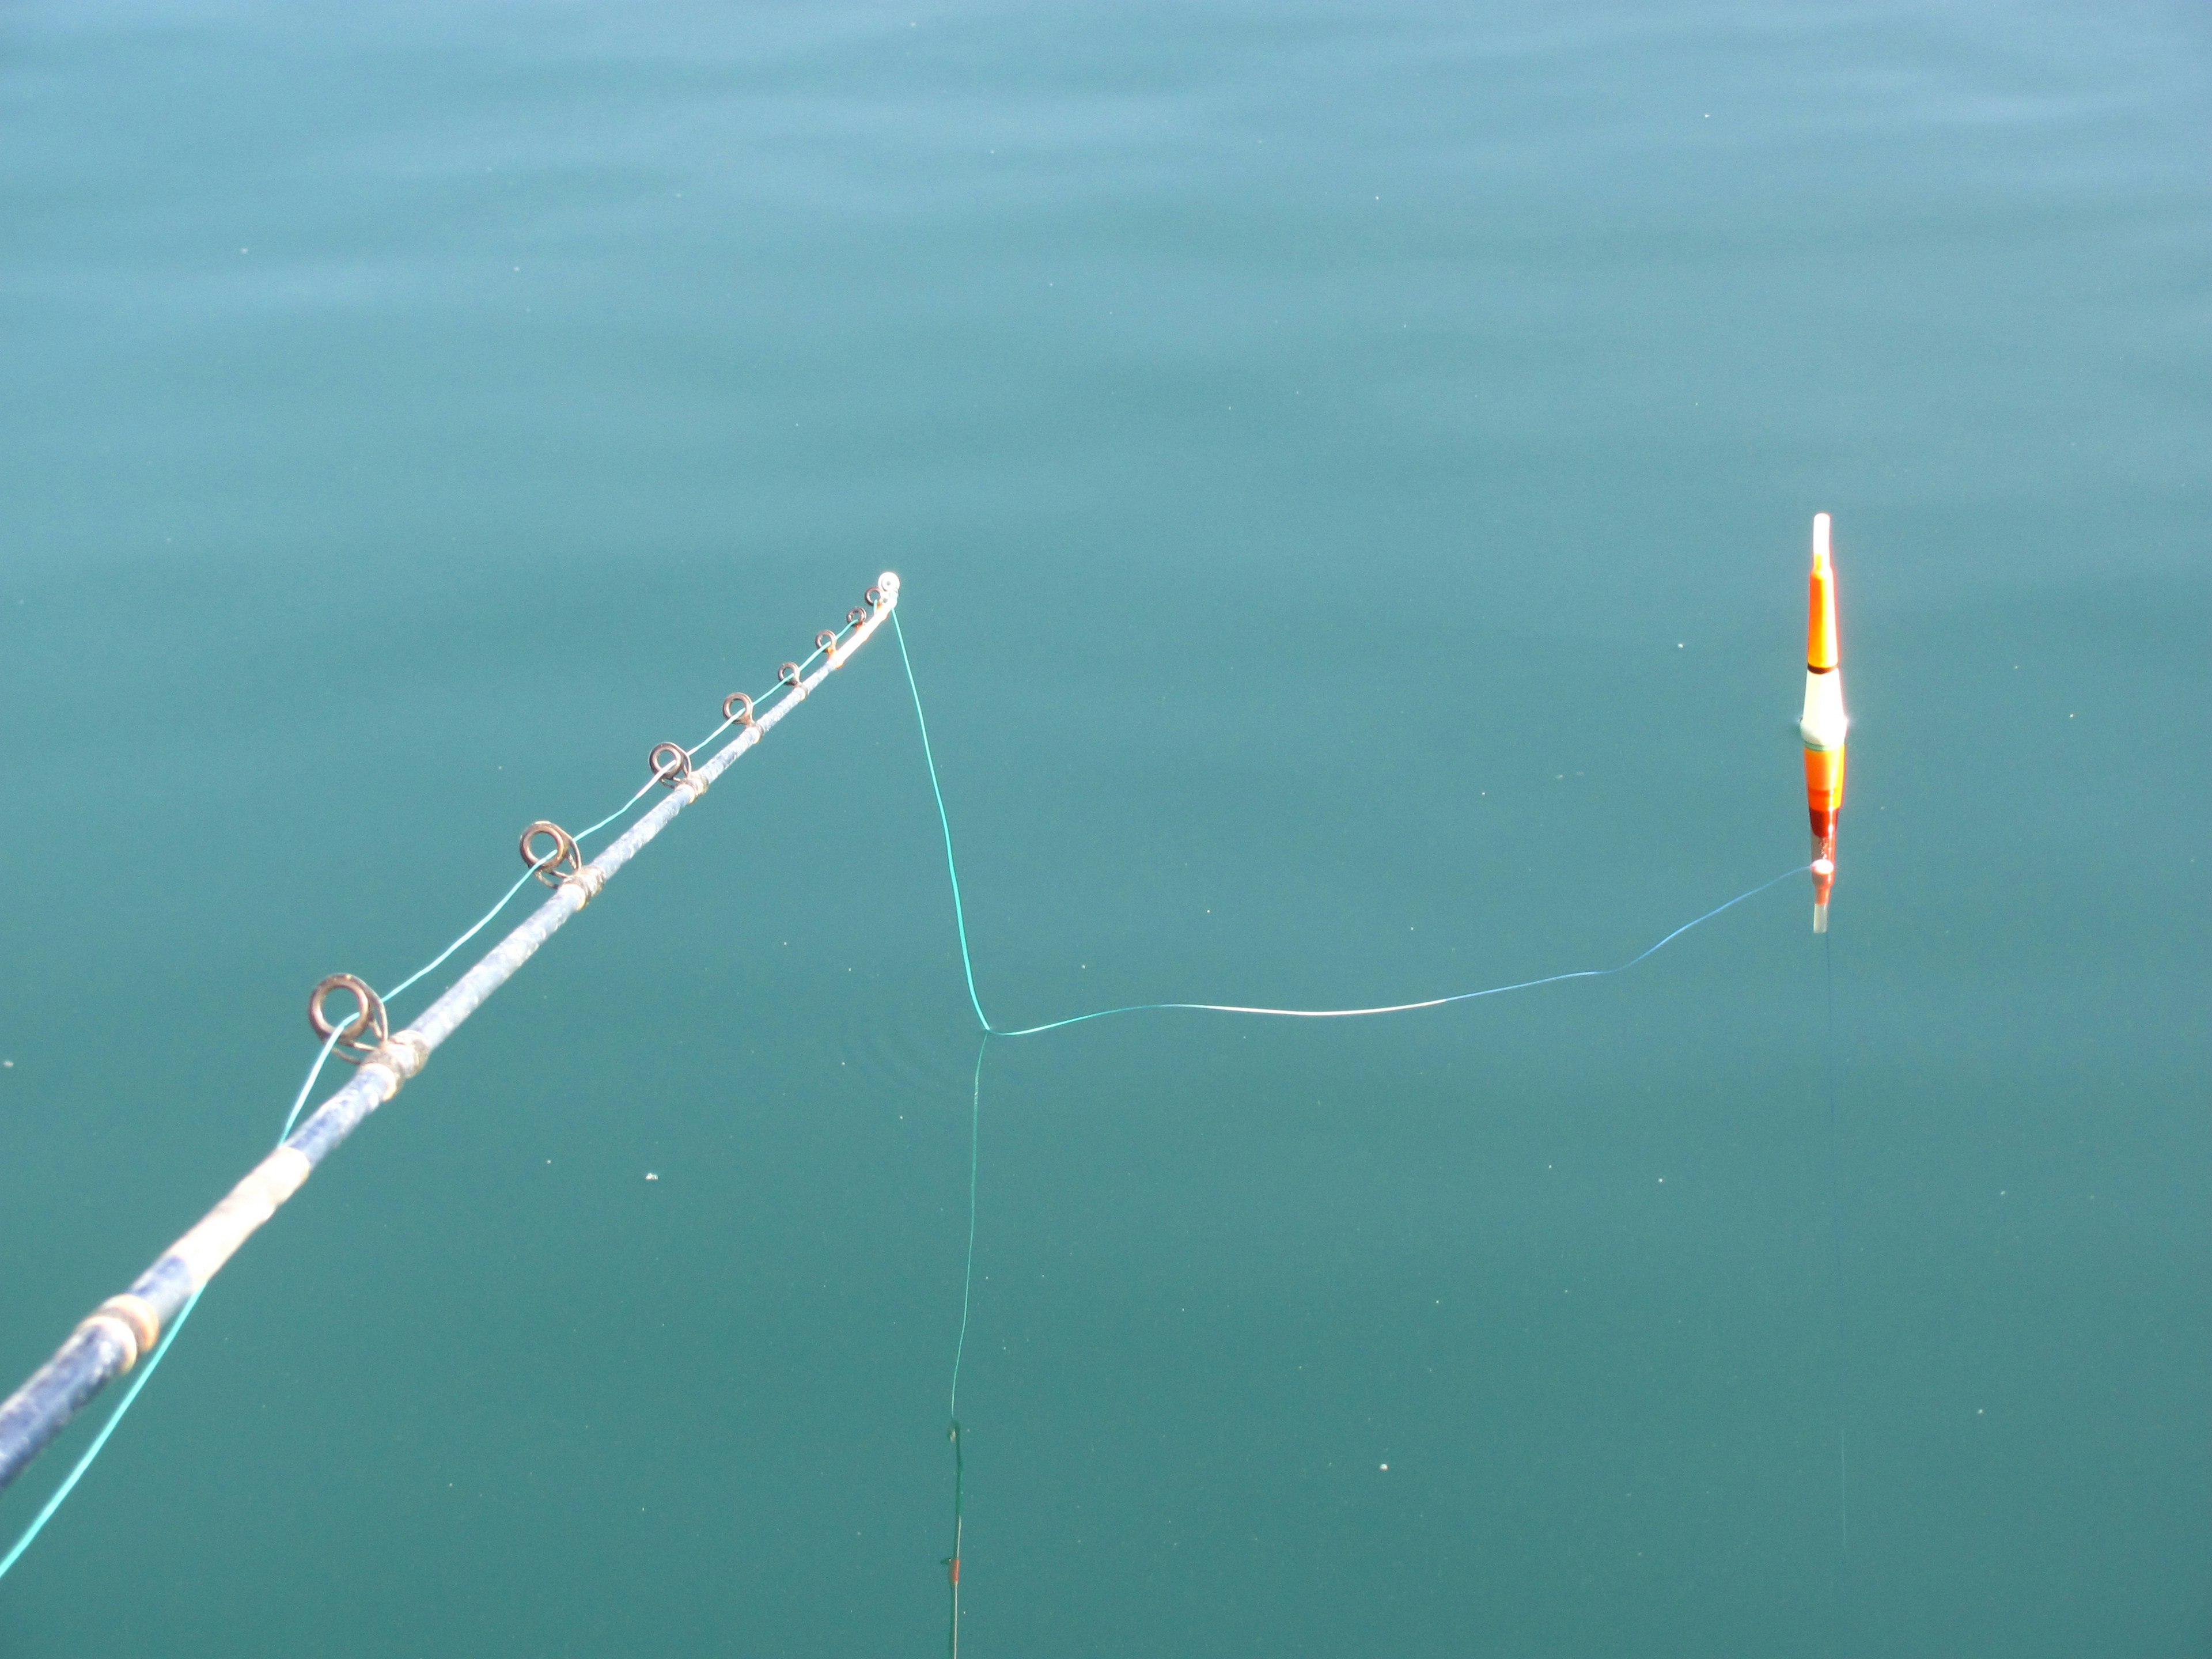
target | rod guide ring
[
  {"x": 353, "y": 1045},
  {"x": 673, "y": 770},
  {"x": 738, "y": 707},
  {"x": 564, "y": 860}
]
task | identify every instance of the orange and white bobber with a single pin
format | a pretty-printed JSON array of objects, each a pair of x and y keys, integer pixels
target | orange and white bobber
[{"x": 1824, "y": 722}]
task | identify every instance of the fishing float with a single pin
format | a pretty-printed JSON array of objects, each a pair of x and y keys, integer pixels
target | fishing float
[{"x": 1824, "y": 722}]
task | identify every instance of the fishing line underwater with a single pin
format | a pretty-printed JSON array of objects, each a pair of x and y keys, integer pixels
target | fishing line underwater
[{"x": 147, "y": 1320}]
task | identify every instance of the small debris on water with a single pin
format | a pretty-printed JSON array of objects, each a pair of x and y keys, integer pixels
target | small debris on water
[{"x": 649, "y": 1176}]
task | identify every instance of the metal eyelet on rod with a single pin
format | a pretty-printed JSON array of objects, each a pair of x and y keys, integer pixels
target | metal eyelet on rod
[
  {"x": 353, "y": 1045},
  {"x": 674, "y": 769},
  {"x": 557, "y": 866}
]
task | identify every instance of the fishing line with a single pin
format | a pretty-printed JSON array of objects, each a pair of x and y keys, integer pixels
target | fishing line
[
  {"x": 975, "y": 1139},
  {"x": 523, "y": 880},
  {"x": 952, "y": 1561},
  {"x": 145, "y": 1374},
  {"x": 1836, "y": 1289},
  {"x": 968, "y": 969},
  {"x": 968, "y": 965},
  {"x": 945, "y": 823},
  {"x": 168, "y": 1339},
  {"x": 959, "y": 1348}
]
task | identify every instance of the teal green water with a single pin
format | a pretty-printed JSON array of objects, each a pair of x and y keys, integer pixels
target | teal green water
[{"x": 1351, "y": 471}]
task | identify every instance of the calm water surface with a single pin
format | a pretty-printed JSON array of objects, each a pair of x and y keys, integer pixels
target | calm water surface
[{"x": 1351, "y": 469}]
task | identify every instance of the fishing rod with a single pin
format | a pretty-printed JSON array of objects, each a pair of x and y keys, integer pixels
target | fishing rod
[{"x": 128, "y": 1327}]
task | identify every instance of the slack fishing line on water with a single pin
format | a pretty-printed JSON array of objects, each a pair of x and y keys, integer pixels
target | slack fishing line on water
[{"x": 142, "y": 1323}]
